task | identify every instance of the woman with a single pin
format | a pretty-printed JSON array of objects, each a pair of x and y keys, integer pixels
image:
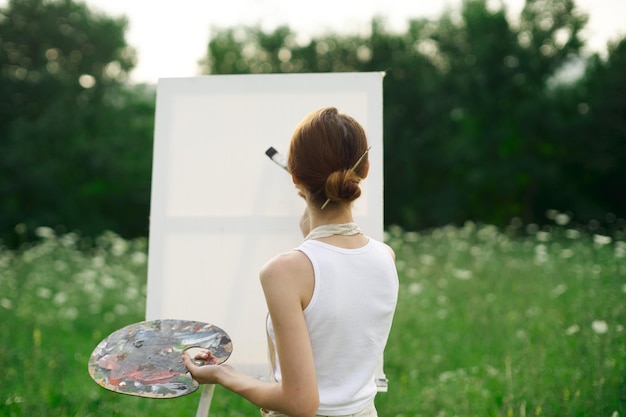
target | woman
[{"x": 331, "y": 300}]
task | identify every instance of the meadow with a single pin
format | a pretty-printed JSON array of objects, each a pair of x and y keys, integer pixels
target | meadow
[{"x": 523, "y": 321}]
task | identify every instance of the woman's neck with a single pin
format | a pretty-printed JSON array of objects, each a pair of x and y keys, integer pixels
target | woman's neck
[
  {"x": 335, "y": 227},
  {"x": 335, "y": 215}
]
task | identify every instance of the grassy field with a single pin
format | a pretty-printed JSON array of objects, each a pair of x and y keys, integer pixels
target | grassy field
[{"x": 487, "y": 325}]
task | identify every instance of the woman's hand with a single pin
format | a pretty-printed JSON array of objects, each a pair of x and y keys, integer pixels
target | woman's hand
[
  {"x": 206, "y": 373},
  {"x": 265, "y": 394}
]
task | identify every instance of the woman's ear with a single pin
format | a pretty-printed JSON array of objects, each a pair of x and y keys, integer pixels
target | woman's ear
[{"x": 301, "y": 192}]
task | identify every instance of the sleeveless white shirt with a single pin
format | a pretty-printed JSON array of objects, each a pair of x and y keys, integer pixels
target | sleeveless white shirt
[{"x": 348, "y": 318}]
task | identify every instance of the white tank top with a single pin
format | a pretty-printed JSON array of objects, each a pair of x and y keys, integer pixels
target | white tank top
[{"x": 348, "y": 318}]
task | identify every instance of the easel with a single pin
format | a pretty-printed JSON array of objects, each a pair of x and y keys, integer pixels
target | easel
[
  {"x": 205, "y": 400},
  {"x": 220, "y": 208}
]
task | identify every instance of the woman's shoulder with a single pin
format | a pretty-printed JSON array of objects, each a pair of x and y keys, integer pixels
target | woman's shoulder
[
  {"x": 386, "y": 247},
  {"x": 391, "y": 251},
  {"x": 288, "y": 276},
  {"x": 286, "y": 264}
]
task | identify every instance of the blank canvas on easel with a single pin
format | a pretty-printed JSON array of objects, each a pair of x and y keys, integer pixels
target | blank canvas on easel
[{"x": 221, "y": 208}]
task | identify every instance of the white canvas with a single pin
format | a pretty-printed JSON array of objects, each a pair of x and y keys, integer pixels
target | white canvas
[{"x": 221, "y": 208}]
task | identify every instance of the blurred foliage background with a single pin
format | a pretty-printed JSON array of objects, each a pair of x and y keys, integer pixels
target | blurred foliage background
[{"x": 483, "y": 120}]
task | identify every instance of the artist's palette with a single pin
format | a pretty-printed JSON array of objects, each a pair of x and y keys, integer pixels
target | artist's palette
[{"x": 144, "y": 359}]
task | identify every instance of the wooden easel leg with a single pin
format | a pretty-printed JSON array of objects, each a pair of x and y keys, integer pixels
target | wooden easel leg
[{"x": 205, "y": 400}]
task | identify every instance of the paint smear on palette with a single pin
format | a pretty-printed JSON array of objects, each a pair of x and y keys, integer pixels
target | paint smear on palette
[{"x": 144, "y": 359}]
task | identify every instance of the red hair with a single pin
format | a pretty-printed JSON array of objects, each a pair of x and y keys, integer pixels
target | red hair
[{"x": 324, "y": 149}]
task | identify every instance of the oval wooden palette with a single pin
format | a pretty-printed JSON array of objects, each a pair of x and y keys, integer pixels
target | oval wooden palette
[{"x": 144, "y": 359}]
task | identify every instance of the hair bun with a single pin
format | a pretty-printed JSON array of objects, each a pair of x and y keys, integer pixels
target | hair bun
[{"x": 343, "y": 186}]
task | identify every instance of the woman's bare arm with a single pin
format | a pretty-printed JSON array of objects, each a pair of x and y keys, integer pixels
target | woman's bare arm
[{"x": 286, "y": 290}]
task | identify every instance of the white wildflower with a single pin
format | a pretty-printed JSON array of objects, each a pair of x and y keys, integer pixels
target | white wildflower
[
  {"x": 558, "y": 290},
  {"x": 462, "y": 274},
  {"x": 541, "y": 254},
  {"x": 572, "y": 233},
  {"x": 43, "y": 292},
  {"x": 138, "y": 258},
  {"x": 533, "y": 311},
  {"x": 601, "y": 240},
  {"x": 69, "y": 239},
  {"x": 446, "y": 376},
  {"x": 543, "y": 236},
  {"x": 120, "y": 309},
  {"x": 487, "y": 232},
  {"x": 60, "y": 298},
  {"x": 107, "y": 281},
  {"x": 491, "y": 371},
  {"x": 44, "y": 232},
  {"x": 427, "y": 259},
  {"x": 69, "y": 313},
  {"x": 573, "y": 329},
  {"x": 14, "y": 400},
  {"x": 562, "y": 219},
  {"x": 119, "y": 247},
  {"x": 131, "y": 294},
  {"x": 415, "y": 288},
  {"x": 600, "y": 326},
  {"x": 97, "y": 261},
  {"x": 6, "y": 304}
]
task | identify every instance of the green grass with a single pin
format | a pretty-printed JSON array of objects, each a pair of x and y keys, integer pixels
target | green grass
[{"x": 487, "y": 325}]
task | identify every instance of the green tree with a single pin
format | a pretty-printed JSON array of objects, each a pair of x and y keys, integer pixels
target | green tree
[
  {"x": 62, "y": 69},
  {"x": 475, "y": 123},
  {"x": 497, "y": 146},
  {"x": 592, "y": 118}
]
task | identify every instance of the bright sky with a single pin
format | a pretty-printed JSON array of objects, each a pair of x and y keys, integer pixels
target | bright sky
[{"x": 171, "y": 36}]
